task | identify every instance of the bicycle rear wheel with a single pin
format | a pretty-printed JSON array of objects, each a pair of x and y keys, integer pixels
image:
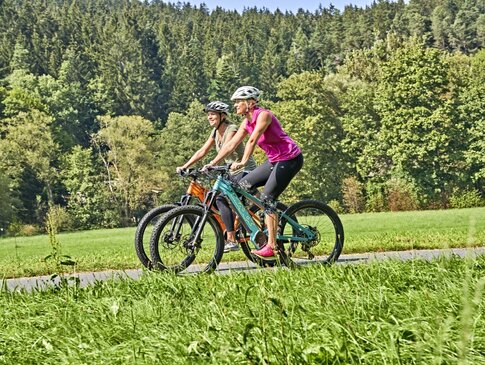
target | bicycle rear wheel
[
  {"x": 144, "y": 230},
  {"x": 173, "y": 246},
  {"x": 324, "y": 222}
]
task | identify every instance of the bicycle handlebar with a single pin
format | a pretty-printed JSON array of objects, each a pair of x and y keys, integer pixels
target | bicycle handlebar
[
  {"x": 223, "y": 168},
  {"x": 209, "y": 172},
  {"x": 194, "y": 173}
]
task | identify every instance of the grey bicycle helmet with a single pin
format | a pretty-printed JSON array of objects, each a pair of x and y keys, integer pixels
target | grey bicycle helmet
[
  {"x": 246, "y": 92},
  {"x": 217, "y": 106}
]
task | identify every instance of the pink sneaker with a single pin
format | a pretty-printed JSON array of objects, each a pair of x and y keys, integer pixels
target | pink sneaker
[{"x": 264, "y": 252}]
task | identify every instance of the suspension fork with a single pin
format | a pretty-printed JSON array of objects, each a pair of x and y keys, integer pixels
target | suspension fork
[
  {"x": 185, "y": 199},
  {"x": 177, "y": 224},
  {"x": 200, "y": 222}
]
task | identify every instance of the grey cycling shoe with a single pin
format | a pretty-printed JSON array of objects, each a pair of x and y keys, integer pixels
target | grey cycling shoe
[{"x": 231, "y": 246}]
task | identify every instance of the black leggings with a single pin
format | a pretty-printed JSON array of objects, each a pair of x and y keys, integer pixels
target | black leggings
[{"x": 274, "y": 176}]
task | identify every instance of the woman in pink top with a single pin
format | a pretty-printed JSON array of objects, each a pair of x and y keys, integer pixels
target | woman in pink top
[{"x": 284, "y": 156}]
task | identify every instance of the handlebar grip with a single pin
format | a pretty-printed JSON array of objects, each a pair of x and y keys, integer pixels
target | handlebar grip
[
  {"x": 189, "y": 172},
  {"x": 223, "y": 168}
]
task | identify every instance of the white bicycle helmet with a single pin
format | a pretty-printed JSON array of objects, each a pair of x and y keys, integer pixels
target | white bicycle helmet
[
  {"x": 246, "y": 92},
  {"x": 217, "y": 106}
]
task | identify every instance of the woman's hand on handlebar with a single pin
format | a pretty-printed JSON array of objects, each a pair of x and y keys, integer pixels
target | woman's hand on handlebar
[
  {"x": 237, "y": 165},
  {"x": 212, "y": 167},
  {"x": 207, "y": 167}
]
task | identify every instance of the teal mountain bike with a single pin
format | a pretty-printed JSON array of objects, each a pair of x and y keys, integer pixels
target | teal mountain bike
[
  {"x": 195, "y": 194},
  {"x": 190, "y": 234}
]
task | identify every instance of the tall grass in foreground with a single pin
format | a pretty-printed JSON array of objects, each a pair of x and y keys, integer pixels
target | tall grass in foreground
[{"x": 414, "y": 312}]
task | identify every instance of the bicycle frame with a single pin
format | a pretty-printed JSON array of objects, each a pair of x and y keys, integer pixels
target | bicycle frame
[
  {"x": 196, "y": 190},
  {"x": 232, "y": 193}
]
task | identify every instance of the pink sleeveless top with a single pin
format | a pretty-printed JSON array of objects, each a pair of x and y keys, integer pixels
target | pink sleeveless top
[{"x": 274, "y": 141}]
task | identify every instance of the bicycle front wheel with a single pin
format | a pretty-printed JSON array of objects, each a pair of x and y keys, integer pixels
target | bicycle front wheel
[
  {"x": 144, "y": 230},
  {"x": 320, "y": 219},
  {"x": 174, "y": 245}
]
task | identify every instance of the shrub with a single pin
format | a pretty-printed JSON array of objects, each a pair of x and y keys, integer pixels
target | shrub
[
  {"x": 434, "y": 203},
  {"x": 336, "y": 206},
  {"x": 19, "y": 229},
  {"x": 376, "y": 198},
  {"x": 63, "y": 220},
  {"x": 466, "y": 199},
  {"x": 401, "y": 195},
  {"x": 111, "y": 219},
  {"x": 29, "y": 230},
  {"x": 353, "y": 197}
]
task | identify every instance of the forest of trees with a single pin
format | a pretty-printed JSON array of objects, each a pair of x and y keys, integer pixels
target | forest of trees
[{"x": 100, "y": 100}]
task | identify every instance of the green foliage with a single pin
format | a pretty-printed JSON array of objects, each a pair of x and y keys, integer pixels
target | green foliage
[
  {"x": 389, "y": 107},
  {"x": 64, "y": 99},
  {"x": 271, "y": 66},
  {"x": 88, "y": 199},
  {"x": 128, "y": 147},
  {"x": 421, "y": 133},
  {"x": 365, "y": 64},
  {"x": 21, "y": 94},
  {"x": 309, "y": 113},
  {"x": 376, "y": 197},
  {"x": 20, "y": 58},
  {"x": 225, "y": 80},
  {"x": 443, "y": 17},
  {"x": 360, "y": 123},
  {"x": 464, "y": 29},
  {"x": 18, "y": 229},
  {"x": 336, "y": 206},
  {"x": 152, "y": 58},
  {"x": 401, "y": 195},
  {"x": 300, "y": 53},
  {"x": 7, "y": 212},
  {"x": 69, "y": 102},
  {"x": 125, "y": 81},
  {"x": 189, "y": 82},
  {"x": 466, "y": 199},
  {"x": 352, "y": 195},
  {"x": 472, "y": 109},
  {"x": 29, "y": 144},
  {"x": 3, "y": 93},
  {"x": 183, "y": 135},
  {"x": 481, "y": 29}
]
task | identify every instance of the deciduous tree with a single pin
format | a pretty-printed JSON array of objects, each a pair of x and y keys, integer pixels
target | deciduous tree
[
  {"x": 129, "y": 148},
  {"x": 309, "y": 113}
]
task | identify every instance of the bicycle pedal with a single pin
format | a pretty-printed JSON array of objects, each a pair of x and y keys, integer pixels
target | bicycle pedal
[{"x": 311, "y": 256}]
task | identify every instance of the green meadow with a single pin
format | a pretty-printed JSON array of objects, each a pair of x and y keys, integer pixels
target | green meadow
[
  {"x": 392, "y": 312},
  {"x": 370, "y": 232}
]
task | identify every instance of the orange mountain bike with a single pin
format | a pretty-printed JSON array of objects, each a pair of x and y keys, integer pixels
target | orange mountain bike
[{"x": 194, "y": 191}]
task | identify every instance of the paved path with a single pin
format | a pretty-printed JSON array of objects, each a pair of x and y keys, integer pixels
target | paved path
[{"x": 42, "y": 282}]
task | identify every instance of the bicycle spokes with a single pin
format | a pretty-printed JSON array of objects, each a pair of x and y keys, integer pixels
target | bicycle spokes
[
  {"x": 186, "y": 236},
  {"x": 318, "y": 231}
]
